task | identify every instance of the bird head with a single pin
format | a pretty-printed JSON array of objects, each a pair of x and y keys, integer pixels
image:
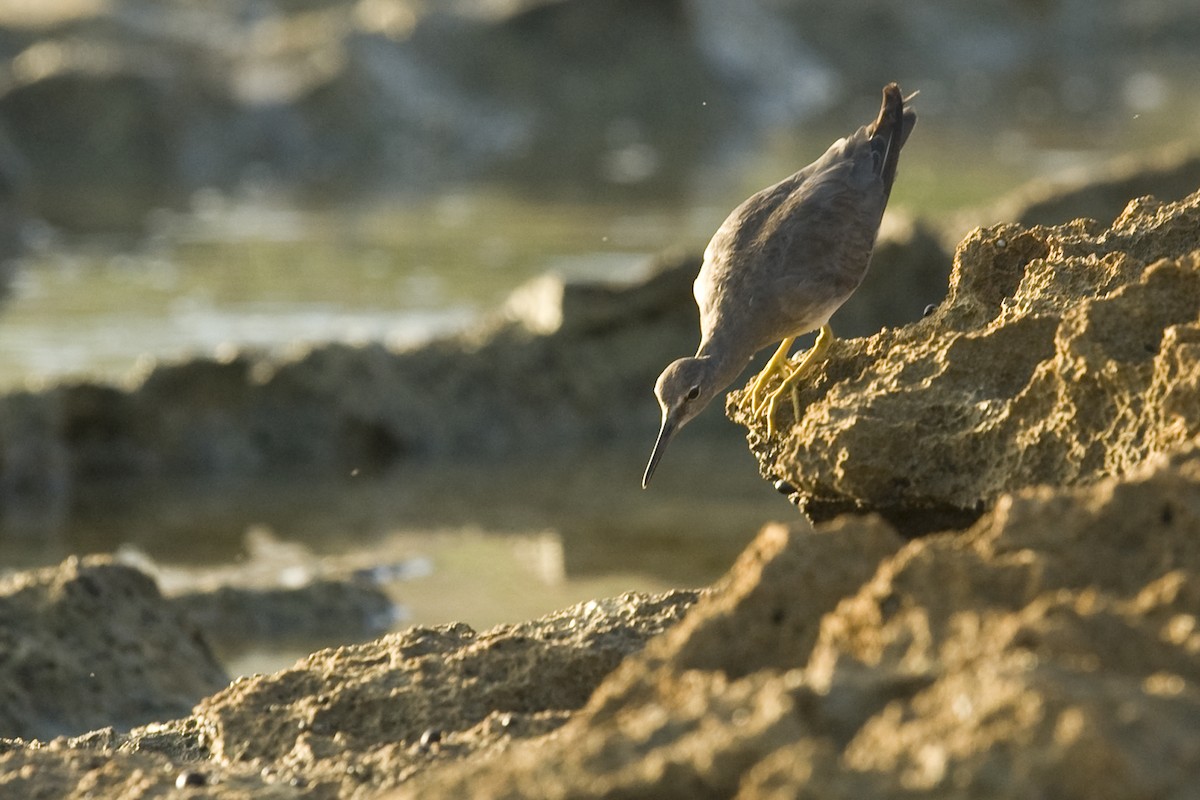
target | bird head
[{"x": 683, "y": 390}]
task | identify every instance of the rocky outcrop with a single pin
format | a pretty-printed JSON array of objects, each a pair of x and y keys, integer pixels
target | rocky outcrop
[
  {"x": 121, "y": 108},
  {"x": 92, "y": 643},
  {"x": 908, "y": 272},
  {"x": 365, "y": 717},
  {"x": 320, "y": 611},
  {"x": 1061, "y": 356},
  {"x": 430, "y": 694},
  {"x": 563, "y": 365},
  {"x": 1171, "y": 173},
  {"x": 1051, "y": 649}
]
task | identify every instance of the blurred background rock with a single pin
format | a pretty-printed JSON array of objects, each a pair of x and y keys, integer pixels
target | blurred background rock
[{"x": 111, "y": 108}]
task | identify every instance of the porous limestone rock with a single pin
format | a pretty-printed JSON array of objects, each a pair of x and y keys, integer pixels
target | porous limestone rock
[
  {"x": 350, "y": 721},
  {"x": 1051, "y": 650},
  {"x": 1061, "y": 356}
]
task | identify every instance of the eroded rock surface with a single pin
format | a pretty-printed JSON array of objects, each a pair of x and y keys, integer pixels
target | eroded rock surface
[
  {"x": 92, "y": 643},
  {"x": 1061, "y": 355},
  {"x": 1049, "y": 651},
  {"x": 350, "y": 721},
  {"x": 430, "y": 688},
  {"x": 315, "y": 613}
]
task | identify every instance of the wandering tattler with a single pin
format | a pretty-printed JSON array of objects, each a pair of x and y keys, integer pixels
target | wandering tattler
[{"x": 780, "y": 265}]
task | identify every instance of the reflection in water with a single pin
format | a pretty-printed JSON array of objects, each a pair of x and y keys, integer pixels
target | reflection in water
[
  {"x": 478, "y": 543},
  {"x": 710, "y": 502}
]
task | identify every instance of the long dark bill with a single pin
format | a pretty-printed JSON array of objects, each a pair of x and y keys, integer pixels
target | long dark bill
[{"x": 664, "y": 437}]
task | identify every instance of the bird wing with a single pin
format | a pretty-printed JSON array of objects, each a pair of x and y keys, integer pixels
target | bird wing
[{"x": 791, "y": 254}]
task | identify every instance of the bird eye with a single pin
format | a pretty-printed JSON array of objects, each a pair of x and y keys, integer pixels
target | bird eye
[{"x": 693, "y": 393}]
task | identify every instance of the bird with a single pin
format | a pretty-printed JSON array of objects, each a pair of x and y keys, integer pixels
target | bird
[{"x": 779, "y": 267}]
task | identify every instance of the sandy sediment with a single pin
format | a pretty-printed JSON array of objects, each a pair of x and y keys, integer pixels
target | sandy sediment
[{"x": 353, "y": 720}]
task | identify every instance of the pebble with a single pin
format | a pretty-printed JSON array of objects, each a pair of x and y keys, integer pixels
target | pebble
[{"x": 190, "y": 777}]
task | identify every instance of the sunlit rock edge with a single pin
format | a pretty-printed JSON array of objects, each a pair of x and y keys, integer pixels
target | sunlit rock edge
[{"x": 1061, "y": 355}]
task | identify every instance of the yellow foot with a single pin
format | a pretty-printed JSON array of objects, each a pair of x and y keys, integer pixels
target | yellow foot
[
  {"x": 824, "y": 339},
  {"x": 758, "y": 397},
  {"x": 773, "y": 402}
]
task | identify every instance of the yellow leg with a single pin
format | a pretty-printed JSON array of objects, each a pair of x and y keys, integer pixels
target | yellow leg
[
  {"x": 824, "y": 339},
  {"x": 777, "y": 363}
]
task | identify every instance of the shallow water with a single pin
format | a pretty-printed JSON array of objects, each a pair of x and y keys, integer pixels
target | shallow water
[
  {"x": 252, "y": 273},
  {"x": 481, "y": 543}
]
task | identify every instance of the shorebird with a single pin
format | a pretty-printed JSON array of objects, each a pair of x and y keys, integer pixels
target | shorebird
[{"x": 780, "y": 265}]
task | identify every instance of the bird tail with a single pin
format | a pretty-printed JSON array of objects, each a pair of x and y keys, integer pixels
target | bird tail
[{"x": 890, "y": 131}]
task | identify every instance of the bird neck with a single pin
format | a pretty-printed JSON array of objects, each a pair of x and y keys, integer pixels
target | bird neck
[{"x": 725, "y": 364}]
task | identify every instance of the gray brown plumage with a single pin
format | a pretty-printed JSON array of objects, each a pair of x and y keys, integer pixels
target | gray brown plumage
[{"x": 784, "y": 261}]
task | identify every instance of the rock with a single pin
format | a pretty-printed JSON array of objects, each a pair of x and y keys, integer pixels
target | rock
[
  {"x": 909, "y": 269},
  {"x": 1171, "y": 173},
  {"x": 513, "y": 681},
  {"x": 129, "y": 108},
  {"x": 35, "y": 480},
  {"x": 1049, "y": 650},
  {"x": 550, "y": 304},
  {"x": 367, "y": 716},
  {"x": 564, "y": 364},
  {"x": 585, "y": 376},
  {"x": 105, "y": 124},
  {"x": 92, "y": 643},
  {"x": 1061, "y": 356},
  {"x": 714, "y": 695},
  {"x": 13, "y": 222}
]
